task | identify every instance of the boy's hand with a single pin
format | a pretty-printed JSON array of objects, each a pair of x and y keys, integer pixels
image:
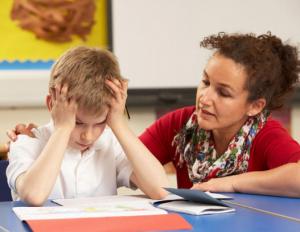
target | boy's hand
[
  {"x": 63, "y": 108},
  {"x": 117, "y": 104}
]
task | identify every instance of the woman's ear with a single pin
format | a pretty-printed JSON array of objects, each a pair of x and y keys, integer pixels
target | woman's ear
[
  {"x": 49, "y": 102},
  {"x": 256, "y": 107}
]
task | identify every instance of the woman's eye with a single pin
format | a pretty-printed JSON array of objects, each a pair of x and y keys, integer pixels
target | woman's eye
[
  {"x": 79, "y": 123},
  {"x": 205, "y": 82},
  {"x": 224, "y": 93}
]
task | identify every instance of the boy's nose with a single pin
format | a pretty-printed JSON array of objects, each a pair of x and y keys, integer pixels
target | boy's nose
[{"x": 87, "y": 135}]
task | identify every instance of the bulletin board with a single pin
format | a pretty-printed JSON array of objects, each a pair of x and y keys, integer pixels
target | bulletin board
[{"x": 26, "y": 57}]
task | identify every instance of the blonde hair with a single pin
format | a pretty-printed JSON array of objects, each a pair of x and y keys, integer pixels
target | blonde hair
[{"x": 85, "y": 70}]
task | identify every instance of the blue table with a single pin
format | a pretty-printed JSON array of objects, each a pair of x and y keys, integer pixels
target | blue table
[
  {"x": 289, "y": 207},
  {"x": 243, "y": 219}
]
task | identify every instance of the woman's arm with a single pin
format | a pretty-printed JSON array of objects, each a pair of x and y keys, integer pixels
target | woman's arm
[
  {"x": 281, "y": 181},
  {"x": 148, "y": 173}
]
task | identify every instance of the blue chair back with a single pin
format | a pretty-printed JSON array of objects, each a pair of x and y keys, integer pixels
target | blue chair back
[{"x": 5, "y": 194}]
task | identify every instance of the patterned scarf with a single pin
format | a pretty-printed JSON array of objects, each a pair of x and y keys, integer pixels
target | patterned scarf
[{"x": 196, "y": 147}]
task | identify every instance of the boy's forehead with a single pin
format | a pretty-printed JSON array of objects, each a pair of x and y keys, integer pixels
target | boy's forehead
[{"x": 87, "y": 115}]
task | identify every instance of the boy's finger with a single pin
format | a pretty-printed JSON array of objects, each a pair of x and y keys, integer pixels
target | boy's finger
[
  {"x": 64, "y": 90},
  {"x": 111, "y": 86},
  {"x": 57, "y": 91}
]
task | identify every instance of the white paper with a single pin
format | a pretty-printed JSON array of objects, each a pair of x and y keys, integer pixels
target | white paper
[
  {"x": 194, "y": 208},
  {"x": 94, "y": 201},
  {"x": 218, "y": 196},
  {"x": 177, "y": 203},
  {"x": 112, "y": 209},
  {"x": 176, "y": 197}
]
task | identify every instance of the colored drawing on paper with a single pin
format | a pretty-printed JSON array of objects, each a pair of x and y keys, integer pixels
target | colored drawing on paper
[{"x": 23, "y": 39}]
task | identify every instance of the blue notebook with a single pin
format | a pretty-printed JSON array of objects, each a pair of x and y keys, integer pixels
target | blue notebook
[{"x": 194, "y": 202}]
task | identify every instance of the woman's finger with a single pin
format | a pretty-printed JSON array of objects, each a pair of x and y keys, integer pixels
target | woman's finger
[
  {"x": 11, "y": 135},
  {"x": 31, "y": 126}
]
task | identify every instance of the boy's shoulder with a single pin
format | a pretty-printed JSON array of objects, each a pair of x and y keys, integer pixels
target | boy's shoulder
[{"x": 33, "y": 144}]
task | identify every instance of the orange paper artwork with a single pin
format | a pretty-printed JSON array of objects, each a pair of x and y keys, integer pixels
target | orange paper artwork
[{"x": 55, "y": 20}]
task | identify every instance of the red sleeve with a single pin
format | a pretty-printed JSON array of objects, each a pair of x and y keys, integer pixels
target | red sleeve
[
  {"x": 273, "y": 147},
  {"x": 159, "y": 136}
]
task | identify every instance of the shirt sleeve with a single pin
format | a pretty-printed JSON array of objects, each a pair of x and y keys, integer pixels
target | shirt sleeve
[{"x": 22, "y": 154}]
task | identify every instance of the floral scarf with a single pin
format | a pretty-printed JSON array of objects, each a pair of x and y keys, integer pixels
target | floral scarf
[{"x": 196, "y": 147}]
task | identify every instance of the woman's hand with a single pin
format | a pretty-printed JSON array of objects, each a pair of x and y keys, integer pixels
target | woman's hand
[
  {"x": 117, "y": 104},
  {"x": 12, "y": 135},
  {"x": 63, "y": 108},
  {"x": 20, "y": 129},
  {"x": 222, "y": 184}
]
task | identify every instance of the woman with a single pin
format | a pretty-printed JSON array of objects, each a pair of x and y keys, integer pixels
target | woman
[{"x": 228, "y": 142}]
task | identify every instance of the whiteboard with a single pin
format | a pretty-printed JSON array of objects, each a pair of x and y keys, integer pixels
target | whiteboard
[{"x": 157, "y": 41}]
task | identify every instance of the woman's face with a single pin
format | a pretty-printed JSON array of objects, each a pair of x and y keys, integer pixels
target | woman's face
[{"x": 221, "y": 101}]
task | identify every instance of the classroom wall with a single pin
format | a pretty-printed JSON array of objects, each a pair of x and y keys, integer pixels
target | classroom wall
[{"x": 141, "y": 117}]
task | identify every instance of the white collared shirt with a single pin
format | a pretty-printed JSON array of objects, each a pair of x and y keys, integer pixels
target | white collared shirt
[{"x": 98, "y": 171}]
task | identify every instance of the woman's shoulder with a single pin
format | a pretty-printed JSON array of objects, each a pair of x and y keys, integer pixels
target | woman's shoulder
[
  {"x": 273, "y": 133},
  {"x": 187, "y": 110},
  {"x": 273, "y": 126},
  {"x": 273, "y": 146}
]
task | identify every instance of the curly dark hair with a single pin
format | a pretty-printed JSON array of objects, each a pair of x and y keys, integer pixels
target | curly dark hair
[{"x": 272, "y": 67}]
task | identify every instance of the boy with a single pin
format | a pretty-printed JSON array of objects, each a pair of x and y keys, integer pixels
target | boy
[{"x": 76, "y": 154}]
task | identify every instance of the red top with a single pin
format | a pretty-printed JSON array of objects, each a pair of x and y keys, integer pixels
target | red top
[{"x": 272, "y": 146}]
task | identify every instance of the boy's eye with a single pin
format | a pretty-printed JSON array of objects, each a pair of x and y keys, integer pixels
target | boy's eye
[
  {"x": 79, "y": 123},
  {"x": 101, "y": 123}
]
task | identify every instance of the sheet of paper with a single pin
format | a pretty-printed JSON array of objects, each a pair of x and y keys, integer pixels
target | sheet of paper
[
  {"x": 194, "y": 208},
  {"x": 104, "y": 210},
  {"x": 218, "y": 196},
  {"x": 193, "y": 201},
  {"x": 94, "y": 201}
]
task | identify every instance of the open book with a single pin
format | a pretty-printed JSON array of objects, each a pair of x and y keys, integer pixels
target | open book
[
  {"x": 194, "y": 202},
  {"x": 110, "y": 206},
  {"x": 109, "y": 213}
]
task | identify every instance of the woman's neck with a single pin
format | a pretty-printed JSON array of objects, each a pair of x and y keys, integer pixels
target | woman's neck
[{"x": 222, "y": 137}]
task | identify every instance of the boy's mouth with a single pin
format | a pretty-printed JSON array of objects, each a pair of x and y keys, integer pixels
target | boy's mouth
[{"x": 83, "y": 145}]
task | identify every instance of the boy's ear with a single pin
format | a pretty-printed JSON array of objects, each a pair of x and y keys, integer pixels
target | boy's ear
[
  {"x": 49, "y": 102},
  {"x": 256, "y": 107}
]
